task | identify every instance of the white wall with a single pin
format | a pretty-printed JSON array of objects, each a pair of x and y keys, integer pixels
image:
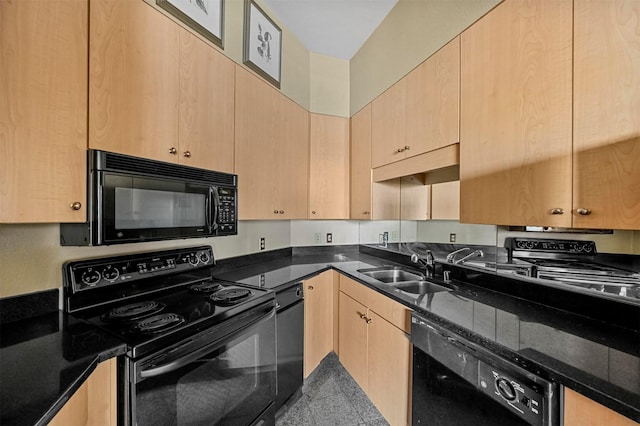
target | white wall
[{"x": 437, "y": 231}]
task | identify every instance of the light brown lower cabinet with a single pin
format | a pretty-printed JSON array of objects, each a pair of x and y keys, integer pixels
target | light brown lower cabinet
[
  {"x": 375, "y": 348},
  {"x": 320, "y": 328},
  {"x": 582, "y": 411},
  {"x": 95, "y": 402}
]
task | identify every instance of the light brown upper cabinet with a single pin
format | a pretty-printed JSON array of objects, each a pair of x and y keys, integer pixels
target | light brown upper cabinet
[
  {"x": 515, "y": 121},
  {"x": 329, "y": 167},
  {"x": 420, "y": 112},
  {"x": 155, "y": 90},
  {"x": 445, "y": 200},
  {"x": 415, "y": 198},
  {"x": 369, "y": 200},
  {"x": 606, "y": 126},
  {"x": 206, "y": 109},
  {"x": 43, "y": 111},
  {"x": 271, "y": 151}
]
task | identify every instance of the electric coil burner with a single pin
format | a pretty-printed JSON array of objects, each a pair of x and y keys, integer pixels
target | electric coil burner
[
  {"x": 230, "y": 296},
  {"x": 206, "y": 287},
  {"x": 187, "y": 334},
  {"x": 159, "y": 323},
  {"x": 133, "y": 311}
]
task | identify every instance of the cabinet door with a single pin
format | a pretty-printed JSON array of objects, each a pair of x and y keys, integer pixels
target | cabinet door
[
  {"x": 515, "y": 121},
  {"x": 388, "y": 125},
  {"x": 389, "y": 369},
  {"x": 318, "y": 320},
  {"x": 433, "y": 100},
  {"x": 361, "y": 164},
  {"x": 445, "y": 200},
  {"x": 43, "y": 110},
  {"x": 292, "y": 165},
  {"x": 581, "y": 411},
  {"x": 606, "y": 114},
  {"x": 271, "y": 151},
  {"x": 353, "y": 339},
  {"x": 133, "y": 80},
  {"x": 95, "y": 402},
  {"x": 415, "y": 198},
  {"x": 206, "y": 109},
  {"x": 329, "y": 167}
]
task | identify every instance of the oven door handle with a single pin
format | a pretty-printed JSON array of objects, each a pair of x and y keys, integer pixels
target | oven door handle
[{"x": 187, "y": 359}]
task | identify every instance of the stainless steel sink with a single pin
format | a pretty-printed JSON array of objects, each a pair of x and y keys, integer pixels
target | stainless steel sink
[
  {"x": 421, "y": 287},
  {"x": 391, "y": 275},
  {"x": 404, "y": 280}
]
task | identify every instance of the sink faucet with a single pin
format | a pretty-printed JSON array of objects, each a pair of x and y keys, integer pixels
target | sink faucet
[
  {"x": 476, "y": 253},
  {"x": 427, "y": 262},
  {"x": 451, "y": 256}
]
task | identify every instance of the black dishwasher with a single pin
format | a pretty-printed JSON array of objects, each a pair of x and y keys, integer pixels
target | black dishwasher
[
  {"x": 457, "y": 382},
  {"x": 289, "y": 341}
]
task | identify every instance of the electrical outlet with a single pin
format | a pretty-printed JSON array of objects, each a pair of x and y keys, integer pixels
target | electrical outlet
[
  {"x": 317, "y": 238},
  {"x": 452, "y": 238},
  {"x": 394, "y": 235},
  {"x": 329, "y": 237},
  {"x": 262, "y": 243}
]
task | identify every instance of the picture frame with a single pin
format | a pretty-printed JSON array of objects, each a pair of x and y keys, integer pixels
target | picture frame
[
  {"x": 262, "y": 44},
  {"x": 206, "y": 17}
]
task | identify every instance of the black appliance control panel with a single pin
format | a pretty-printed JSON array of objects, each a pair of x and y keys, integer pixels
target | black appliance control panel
[
  {"x": 227, "y": 211},
  {"x": 541, "y": 245},
  {"x": 523, "y": 396},
  {"x": 89, "y": 274}
]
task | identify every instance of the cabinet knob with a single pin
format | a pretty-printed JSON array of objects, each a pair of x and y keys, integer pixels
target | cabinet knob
[
  {"x": 310, "y": 287},
  {"x": 556, "y": 210},
  {"x": 76, "y": 206},
  {"x": 187, "y": 154},
  {"x": 583, "y": 212},
  {"x": 407, "y": 147},
  {"x": 400, "y": 149},
  {"x": 275, "y": 212},
  {"x": 365, "y": 212},
  {"x": 368, "y": 320},
  {"x": 313, "y": 212},
  {"x": 281, "y": 212},
  {"x": 173, "y": 150},
  {"x": 361, "y": 315}
]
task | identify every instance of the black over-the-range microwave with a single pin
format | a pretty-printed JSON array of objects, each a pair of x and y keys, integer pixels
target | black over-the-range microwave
[{"x": 132, "y": 199}]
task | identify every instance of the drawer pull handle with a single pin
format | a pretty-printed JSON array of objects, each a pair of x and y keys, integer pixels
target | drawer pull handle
[
  {"x": 583, "y": 212},
  {"x": 310, "y": 287},
  {"x": 556, "y": 210}
]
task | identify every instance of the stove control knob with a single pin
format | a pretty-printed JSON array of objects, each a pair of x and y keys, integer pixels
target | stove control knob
[
  {"x": 110, "y": 273},
  {"x": 193, "y": 259},
  {"x": 204, "y": 257},
  {"x": 90, "y": 277}
]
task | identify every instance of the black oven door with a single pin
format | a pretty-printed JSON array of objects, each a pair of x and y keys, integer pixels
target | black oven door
[
  {"x": 135, "y": 208},
  {"x": 223, "y": 376}
]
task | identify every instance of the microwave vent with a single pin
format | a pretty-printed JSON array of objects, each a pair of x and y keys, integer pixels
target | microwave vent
[{"x": 124, "y": 163}]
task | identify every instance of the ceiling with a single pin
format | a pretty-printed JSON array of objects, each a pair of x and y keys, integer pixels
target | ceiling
[{"x": 334, "y": 28}]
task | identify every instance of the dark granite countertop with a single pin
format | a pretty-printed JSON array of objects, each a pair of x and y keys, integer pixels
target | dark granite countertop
[
  {"x": 598, "y": 359},
  {"x": 45, "y": 358},
  {"x": 43, "y": 361}
]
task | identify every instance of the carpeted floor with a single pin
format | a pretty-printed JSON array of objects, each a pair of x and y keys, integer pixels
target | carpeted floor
[{"x": 330, "y": 397}]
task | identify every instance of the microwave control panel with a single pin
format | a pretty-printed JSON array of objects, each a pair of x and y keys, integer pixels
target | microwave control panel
[{"x": 227, "y": 211}]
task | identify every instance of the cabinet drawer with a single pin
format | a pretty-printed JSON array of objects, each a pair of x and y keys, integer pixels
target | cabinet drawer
[{"x": 392, "y": 311}]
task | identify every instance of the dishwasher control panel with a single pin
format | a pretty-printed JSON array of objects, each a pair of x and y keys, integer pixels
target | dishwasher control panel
[{"x": 518, "y": 393}]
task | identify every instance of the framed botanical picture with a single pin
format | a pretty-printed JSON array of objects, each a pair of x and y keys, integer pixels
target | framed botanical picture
[
  {"x": 262, "y": 43},
  {"x": 204, "y": 16}
]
